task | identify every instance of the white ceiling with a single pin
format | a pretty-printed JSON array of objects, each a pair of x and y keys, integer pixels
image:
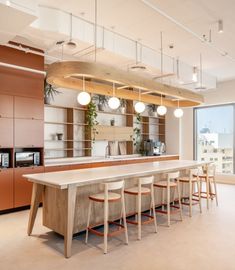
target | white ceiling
[{"x": 134, "y": 19}]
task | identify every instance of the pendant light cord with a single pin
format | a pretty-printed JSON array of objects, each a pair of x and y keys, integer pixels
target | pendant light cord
[
  {"x": 95, "y": 30},
  {"x": 83, "y": 83},
  {"x": 113, "y": 89}
]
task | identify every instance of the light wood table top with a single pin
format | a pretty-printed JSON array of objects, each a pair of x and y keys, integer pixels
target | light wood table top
[{"x": 82, "y": 177}]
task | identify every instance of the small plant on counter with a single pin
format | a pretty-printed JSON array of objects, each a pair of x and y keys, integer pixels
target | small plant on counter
[
  {"x": 122, "y": 105},
  {"x": 152, "y": 108},
  {"x": 49, "y": 92},
  {"x": 91, "y": 121},
  {"x": 101, "y": 101}
]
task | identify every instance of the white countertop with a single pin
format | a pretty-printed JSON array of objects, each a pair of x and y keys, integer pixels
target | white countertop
[
  {"x": 83, "y": 160},
  {"x": 83, "y": 177}
]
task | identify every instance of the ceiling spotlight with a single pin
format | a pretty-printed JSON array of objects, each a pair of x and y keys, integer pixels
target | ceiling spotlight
[
  {"x": 220, "y": 26},
  {"x": 83, "y": 97}
]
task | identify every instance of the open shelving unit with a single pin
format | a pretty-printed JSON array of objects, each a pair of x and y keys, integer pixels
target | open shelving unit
[
  {"x": 77, "y": 139},
  {"x": 69, "y": 121}
]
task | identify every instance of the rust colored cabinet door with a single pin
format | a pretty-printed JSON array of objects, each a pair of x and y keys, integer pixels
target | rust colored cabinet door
[
  {"x": 29, "y": 133},
  {"x": 22, "y": 187},
  {"x": 29, "y": 108},
  {"x": 6, "y": 132},
  {"x": 6, "y": 189},
  {"x": 6, "y": 106},
  {"x": 57, "y": 168}
]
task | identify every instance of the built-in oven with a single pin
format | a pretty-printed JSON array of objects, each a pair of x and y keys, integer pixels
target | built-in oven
[
  {"x": 27, "y": 159},
  {"x": 4, "y": 160}
]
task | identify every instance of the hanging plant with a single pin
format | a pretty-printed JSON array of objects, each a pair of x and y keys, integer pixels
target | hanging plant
[
  {"x": 137, "y": 134},
  {"x": 91, "y": 121}
]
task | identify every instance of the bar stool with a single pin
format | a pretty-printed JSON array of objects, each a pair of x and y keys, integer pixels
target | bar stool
[
  {"x": 168, "y": 185},
  {"x": 108, "y": 197},
  {"x": 139, "y": 191},
  {"x": 207, "y": 175},
  {"x": 191, "y": 180}
]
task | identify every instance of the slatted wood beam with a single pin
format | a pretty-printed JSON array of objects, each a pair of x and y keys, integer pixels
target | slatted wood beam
[{"x": 62, "y": 74}]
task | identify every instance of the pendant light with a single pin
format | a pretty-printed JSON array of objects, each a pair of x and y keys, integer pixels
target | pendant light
[
  {"x": 194, "y": 77},
  {"x": 161, "y": 110},
  {"x": 83, "y": 97},
  {"x": 139, "y": 106},
  {"x": 114, "y": 102},
  {"x": 200, "y": 86},
  {"x": 178, "y": 112},
  {"x": 71, "y": 44}
]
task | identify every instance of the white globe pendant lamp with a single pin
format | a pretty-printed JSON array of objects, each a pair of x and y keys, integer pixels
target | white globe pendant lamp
[
  {"x": 139, "y": 106},
  {"x": 83, "y": 97},
  {"x": 114, "y": 102},
  {"x": 161, "y": 110},
  {"x": 178, "y": 113}
]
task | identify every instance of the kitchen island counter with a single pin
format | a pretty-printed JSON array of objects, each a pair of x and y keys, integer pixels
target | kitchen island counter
[{"x": 65, "y": 194}]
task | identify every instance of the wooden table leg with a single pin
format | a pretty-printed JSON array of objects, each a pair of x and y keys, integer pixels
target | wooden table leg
[
  {"x": 68, "y": 235},
  {"x": 35, "y": 201}
]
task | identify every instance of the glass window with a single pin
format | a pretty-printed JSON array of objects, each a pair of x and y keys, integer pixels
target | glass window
[{"x": 214, "y": 136}]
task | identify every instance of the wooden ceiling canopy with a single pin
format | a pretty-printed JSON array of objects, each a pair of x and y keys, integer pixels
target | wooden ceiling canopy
[{"x": 99, "y": 79}]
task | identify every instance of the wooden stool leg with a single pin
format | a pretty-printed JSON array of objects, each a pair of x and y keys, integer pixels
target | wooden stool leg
[
  {"x": 182, "y": 194},
  {"x": 124, "y": 216},
  {"x": 106, "y": 226},
  {"x": 207, "y": 187},
  {"x": 215, "y": 190},
  {"x": 199, "y": 195},
  {"x": 173, "y": 195},
  {"x": 162, "y": 199},
  {"x": 180, "y": 205},
  {"x": 190, "y": 197},
  {"x": 153, "y": 206},
  {"x": 139, "y": 215},
  {"x": 88, "y": 220},
  {"x": 168, "y": 203}
]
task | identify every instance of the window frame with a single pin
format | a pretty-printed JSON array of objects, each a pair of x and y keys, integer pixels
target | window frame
[{"x": 195, "y": 129}]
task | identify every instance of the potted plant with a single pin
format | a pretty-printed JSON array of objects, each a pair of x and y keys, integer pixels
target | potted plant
[
  {"x": 152, "y": 108},
  {"x": 91, "y": 121},
  {"x": 112, "y": 122},
  {"x": 101, "y": 101},
  {"x": 122, "y": 105},
  {"x": 49, "y": 92}
]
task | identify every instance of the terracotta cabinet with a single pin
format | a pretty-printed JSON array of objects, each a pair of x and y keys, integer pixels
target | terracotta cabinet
[
  {"x": 57, "y": 168},
  {"x": 6, "y": 106},
  {"x": 22, "y": 187},
  {"x": 6, "y": 189},
  {"x": 29, "y": 133},
  {"x": 6, "y": 132},
  {"x": 29, "y": 108}
]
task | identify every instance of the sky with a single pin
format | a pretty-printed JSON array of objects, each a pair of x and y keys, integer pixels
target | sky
[{"x": 217, "y": 119}]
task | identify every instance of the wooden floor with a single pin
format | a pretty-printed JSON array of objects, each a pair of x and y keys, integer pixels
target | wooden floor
[{"x": 205, "y": 241}]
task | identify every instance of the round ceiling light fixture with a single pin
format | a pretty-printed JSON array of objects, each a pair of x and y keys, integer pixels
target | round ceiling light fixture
[
  {"x": 113, "y": 102},
  {"x": 161, "y": 110},
  {"x": 139, "y": 106},
  {"x": 178, "y": 113},
  {"x": 83, "y": 97}
]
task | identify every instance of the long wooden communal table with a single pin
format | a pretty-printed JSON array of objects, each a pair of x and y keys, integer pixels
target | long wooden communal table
[{"x": 68, "y": 182}]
